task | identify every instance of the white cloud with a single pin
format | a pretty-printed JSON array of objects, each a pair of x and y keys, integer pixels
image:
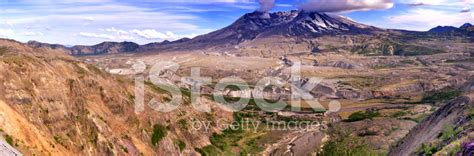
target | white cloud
[
  {"x": 62, "y": 1},
  {"x": 345, "y": 5},
  {"x": 66, "y": 20},
  {"x": 198, "y": 1},
  {"x": 425, "y": 19},
  {"x": 153, "y": 34},
  {"x": 32, "y": 33},
  {"x": 94, "y": 35},
  {"x": 9, "y": 23},
  {"x": 120, "y": 34},
  {"x": 90, "y": 19},
  {"x": 118, "y": 31},
  {"x": 6, "y": 32},
  {"x": 103, "y": 15},
  {"x": 459, "y": 5},
  {"x": 423, "y": 2}
]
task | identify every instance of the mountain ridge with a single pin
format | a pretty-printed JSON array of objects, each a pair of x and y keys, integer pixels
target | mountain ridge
[
  {"x": 465, "y": 28},
  {"x": 251, "y": 26}
]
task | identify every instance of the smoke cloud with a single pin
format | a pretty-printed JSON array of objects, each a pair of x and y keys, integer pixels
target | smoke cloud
[
  {"x": 266, "y": 5},
  {"x": 345, "y": 5}
]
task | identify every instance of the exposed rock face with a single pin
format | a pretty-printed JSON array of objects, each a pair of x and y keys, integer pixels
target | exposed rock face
[{"x": 453, "y": 113}]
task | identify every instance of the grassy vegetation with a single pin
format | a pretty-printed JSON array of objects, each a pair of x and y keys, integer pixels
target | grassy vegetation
[
  {"x": 399, "y": 114},
  {"x": 342, "y": 143},
  {"x": 155, "y": 88},
  {"x": 469, "y": 60},
  {"x": 158, "y": 89},
  {"x": 449, "y": 132},
  {"x": 94, "y": 69},
  {"x": 398, "y": 48},
  {"x": 359, "y": 116},
  {"x": 408, "y": 62},
  {"x": 471, "y": 113},
  {"x": 209, "y": 151},
  {"x": 183, "y": 124},
  {"x": 58, "y": 139},
  {"x": 227, "y": 139},
  {"x": 415, "y": 50},
  {"x": 79, "y": 69},
  {"x": 418, "y": 119},
  {"x": 233, "y": 138},
  {"x": 180, "y": 143},
  {"x": 441, "y": 96},
  {"x": 159, "y": 132},
  {"x": 3, "y": 50},
  {"x": 18, "y": 60},
  {"x": 454, "y": 150},
  {"x": 427, "y": 150}
]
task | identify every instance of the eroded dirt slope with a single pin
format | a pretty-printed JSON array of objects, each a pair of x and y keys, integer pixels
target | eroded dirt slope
[{"x": 52, "y": 104}]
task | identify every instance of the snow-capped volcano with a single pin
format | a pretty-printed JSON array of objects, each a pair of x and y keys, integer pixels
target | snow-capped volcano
[
  {"x": 312, "y": 24},
  {"x": 290, "y": 24}
]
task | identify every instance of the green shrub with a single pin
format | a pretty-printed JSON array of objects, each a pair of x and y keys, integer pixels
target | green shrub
[
  {"x": 124, "y": 149},
  {"x": 427, "y": 150},
  {"x": 441, "y": 96},
  {"x": 9, "y": 140},
  {"x": 454, "y": 150},
  {"x": 155, "y": 88},
  {"x": 210, "y": 150},
  {"x": 180, "y": 143},
  {"x": 358, "y": 116},
  {"x": 346, "y": 145},
  {"x": 418, "y": 119},
  {"x": 399, "y": 114},
  {"x": 94, "y": 69},
  {"x": 3, "y": 50},
  {"x": 94, "y": 136},
  {"x": 183, "y": 124},
  {"x": 408, "y": 62},
  {"x": 471, "y": 113},
  {"x": 447, "y": 133},
  {"x": 58, "y": 139},
  {"x": 159, "y": 132},
  {"x": 251, "y": 147}
]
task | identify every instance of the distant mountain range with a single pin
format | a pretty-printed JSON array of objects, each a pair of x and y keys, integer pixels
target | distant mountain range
[
  {"x": 464, "y": 29},
  {"x": 253, "y": 26}
]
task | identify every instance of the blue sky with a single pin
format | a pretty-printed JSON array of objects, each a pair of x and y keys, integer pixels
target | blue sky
[{"x": 88, "y": 22}]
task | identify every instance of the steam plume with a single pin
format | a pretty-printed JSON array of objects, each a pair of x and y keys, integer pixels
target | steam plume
[{"x": 266, "y": 5}]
